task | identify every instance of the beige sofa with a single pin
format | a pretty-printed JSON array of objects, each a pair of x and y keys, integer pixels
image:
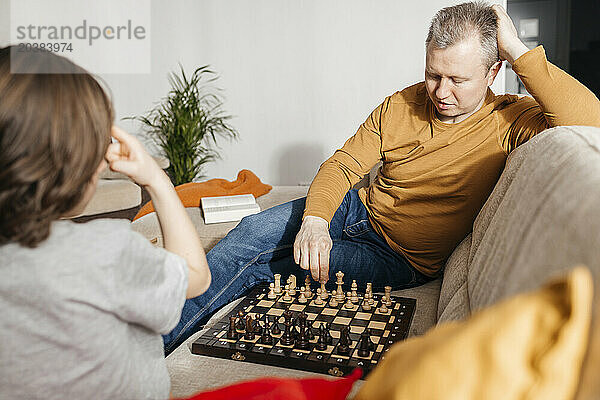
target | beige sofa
[
  {"x": 116, "y": 196},
  {"x": 542, "y": 218}
]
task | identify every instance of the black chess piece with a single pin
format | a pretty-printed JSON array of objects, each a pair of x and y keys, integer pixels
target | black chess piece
[
  {"x": 266, "y": 337},
  {"x": 322, "y": 342},
  {"x": 287, "y": 316},
  {"x": 232, "y": 333},
  {"x": 310, "y": 333},
  {"x": 240, "y": 322},
  {"x": 345, "y": 331},
  {"x": 345, "y": 342},
  {"x": 257, "y": 328},
  {"x": 287, "y": 339},
  {"x": 302, "y": 340},
  {"x": 249, "y": 335},
  {"x": 328, "y": 334},
  {"x": 275, "y": 329},
  {"x": 364, "y": 346},
  {"x": 371, "y": 343},
  {"x": 302, "y": 317}
]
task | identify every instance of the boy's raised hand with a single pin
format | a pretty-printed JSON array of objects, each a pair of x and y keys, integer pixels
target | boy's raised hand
[{"x": 129, "y": 157}]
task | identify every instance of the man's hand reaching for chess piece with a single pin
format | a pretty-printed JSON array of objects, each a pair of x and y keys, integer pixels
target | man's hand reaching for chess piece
[{"x": 312, "y": 246}]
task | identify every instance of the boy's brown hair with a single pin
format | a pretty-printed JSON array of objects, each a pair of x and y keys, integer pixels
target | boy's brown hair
[{"x": 54, "y": 132}]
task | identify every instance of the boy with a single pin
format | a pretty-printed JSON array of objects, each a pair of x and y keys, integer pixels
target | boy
[{"x": 83, "y": 305}]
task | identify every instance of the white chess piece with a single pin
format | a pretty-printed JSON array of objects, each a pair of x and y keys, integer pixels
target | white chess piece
[
  {"x": 286, "y": 296},
  {"x": 272, "y": 294},
  {"x": 333, "y": 302},
  {"x": 349, "y": 303},
  {"x": 277, "y": 283},
  {"x": 365, "y": 305},
  {"x": 383, "y": 308},
  {"x": 324, "y": 294},
  {"x": 302, "y": 298},
  {"x": 292, "y": 282},
  {"x": 308, "y": 293},
  {"x": 388, "y": 296},
  {"x": 318, "y": 299}
]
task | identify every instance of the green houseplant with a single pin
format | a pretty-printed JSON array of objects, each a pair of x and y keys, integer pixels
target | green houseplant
[{"x": 185, "y": 125}]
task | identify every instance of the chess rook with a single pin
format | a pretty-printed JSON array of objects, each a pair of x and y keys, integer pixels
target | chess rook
[{"x": 277, "y": 288}]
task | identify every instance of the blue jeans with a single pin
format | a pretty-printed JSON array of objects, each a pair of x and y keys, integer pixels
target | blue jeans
[{"x": 262, "y": 245}]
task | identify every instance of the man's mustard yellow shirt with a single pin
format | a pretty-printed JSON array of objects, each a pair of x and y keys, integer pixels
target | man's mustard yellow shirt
[{"x": 435, "y": 177}]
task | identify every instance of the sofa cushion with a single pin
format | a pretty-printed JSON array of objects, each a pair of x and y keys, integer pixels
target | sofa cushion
[
  {"x": 113, "y": 195},
  {"x": 535, "y": 353}
]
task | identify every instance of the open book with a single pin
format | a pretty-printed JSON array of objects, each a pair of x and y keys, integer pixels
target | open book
[{"x": 228, "y": 208}]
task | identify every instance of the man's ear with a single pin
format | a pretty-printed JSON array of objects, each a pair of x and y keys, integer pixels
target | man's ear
[{"x": 493, "y": 72}]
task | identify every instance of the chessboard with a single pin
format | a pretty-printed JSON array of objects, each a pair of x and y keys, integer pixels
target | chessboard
[{"x": 330, "y": 333}]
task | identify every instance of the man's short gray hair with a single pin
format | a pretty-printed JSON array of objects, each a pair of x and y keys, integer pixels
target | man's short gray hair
[{"x": 451, "y": 25}]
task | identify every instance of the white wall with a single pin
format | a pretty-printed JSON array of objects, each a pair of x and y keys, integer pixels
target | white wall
[{"x": 298, "y": 75}]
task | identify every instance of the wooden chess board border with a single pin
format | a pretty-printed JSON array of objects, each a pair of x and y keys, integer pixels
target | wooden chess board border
[{"x": 340, "y": 366}]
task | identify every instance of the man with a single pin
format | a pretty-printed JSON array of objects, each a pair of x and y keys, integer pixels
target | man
[{"x": 443, "y": 144}]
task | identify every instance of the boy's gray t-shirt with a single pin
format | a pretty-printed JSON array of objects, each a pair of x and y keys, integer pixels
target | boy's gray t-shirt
[{"x": 82, "y": 314}]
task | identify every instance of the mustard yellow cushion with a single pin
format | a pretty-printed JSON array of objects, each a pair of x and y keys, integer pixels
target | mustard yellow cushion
[{"x": 530, "y": 346}]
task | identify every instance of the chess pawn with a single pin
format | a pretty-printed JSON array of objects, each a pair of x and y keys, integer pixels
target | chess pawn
[
  {"x": 240, "y": 321},
  {"x": 354, "y": 297},
  {"x": 365, "y": 305},
  {"x": 318, "y": 299},
  {"x": 349, "y": 303},
  {"x": 333, "y": 302},
  {"x": 232, "y": 332},
  {"x": 249, "y": 335},
  {"x": 302, "y": 298},
  {"x": 308, "y": 293},
  {"x": 272, "y": 294},
  {"x": 277, "y": 288},
  {"x": 275, "y": 330},
  {"x": 324, "y": 294},
  {"x": 339, "y": 296},
  {"x": 286, "y": 296},
  {"x": 383, "y": 308}
]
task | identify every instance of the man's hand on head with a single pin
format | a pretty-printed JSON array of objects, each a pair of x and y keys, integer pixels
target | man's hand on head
[
  {"x": 510, "y": 46},
  {"x": 312, "y": 246}
]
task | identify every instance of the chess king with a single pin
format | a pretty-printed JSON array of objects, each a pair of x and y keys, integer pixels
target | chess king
[{"x": 443, "y": 143}]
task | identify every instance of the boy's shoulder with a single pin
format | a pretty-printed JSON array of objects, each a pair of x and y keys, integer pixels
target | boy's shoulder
[{"x": 99, "y": 228}]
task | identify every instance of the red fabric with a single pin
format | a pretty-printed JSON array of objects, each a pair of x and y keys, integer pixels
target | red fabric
[
  {"x": 284, "y": 389},
  {"x": 191, "y": 193}
]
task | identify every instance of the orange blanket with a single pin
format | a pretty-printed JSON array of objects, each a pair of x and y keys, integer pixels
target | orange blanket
[{"x": 191, "y": 193}]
